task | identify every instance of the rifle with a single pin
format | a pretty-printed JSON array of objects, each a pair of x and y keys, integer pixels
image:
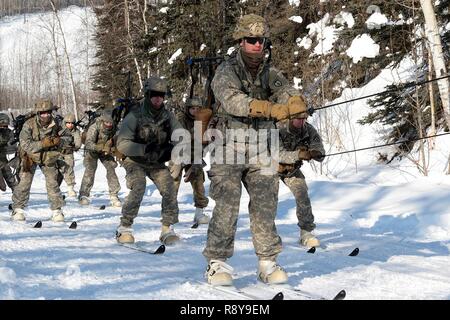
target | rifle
[
  {"x": 208, "y": 66},
  {"x": 124, "y": 105}
]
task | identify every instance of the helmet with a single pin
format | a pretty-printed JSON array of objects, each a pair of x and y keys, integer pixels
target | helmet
[
  {"x": 106, "y": 117},
  {"x": 4, "y": 119},
  {"x": 251, "y": 25},
  {"x": 44, "y": 105},
  {"x": 155, "y": 84},
  {"x": 70, "y": 117},
  {"x": 194, "y": 102}
]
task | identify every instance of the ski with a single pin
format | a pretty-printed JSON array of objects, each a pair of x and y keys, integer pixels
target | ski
[
  {"x": 160, "y": 250},
  {"x": 353, "y": 253},
  {"x": 240, "y": 293},
  {"x": 291, "y": 292},
  {"x": 38, "y": 225}
]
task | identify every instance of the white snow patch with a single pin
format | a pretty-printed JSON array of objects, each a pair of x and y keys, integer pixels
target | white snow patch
[
  {"x": 344, "y": 18},
  {"x": 376, "y": 20},
  {"x": 297, "y": 19},
  {"x": 175, "y": 55},
  {"x": 363, "y": 46}
]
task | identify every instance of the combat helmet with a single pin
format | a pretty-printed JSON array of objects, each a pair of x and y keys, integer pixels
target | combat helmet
[
  {"x": 155, "y": 84},
  {"x": 251, "y": 25},
  {"x": 70, "y": 117},
  {"x": 44, "y": 105},
  {"x": 193, "y": 102},
  {"x": 4, "y": 120}
]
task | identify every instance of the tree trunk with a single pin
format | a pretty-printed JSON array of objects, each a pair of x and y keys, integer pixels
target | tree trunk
[
  {"x": 434, "y": 39},
  {"x": 72, "y": 83}
]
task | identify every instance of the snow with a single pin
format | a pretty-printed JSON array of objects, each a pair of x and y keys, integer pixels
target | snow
[
  {"x": 294, "y": 2},
  {"x": 175, "y": 55},
  {"x": 363, "y": 46},
  {"x": 345, "y": 18},
  {"x": 297, "y": 19},
  {"x": 27, "y": 38},
  {"x": 326, "y": 36},
  {"x": 376, "y": 20}
]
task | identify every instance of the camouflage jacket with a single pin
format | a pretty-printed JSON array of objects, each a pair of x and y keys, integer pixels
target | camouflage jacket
[
  {"x": 140, "y": 129},
  {"x": 30, "y": 141},
  {"x": 73, "y": 146},
  {"x": 98, "y": 137},
  {"x": 234, "y": 88},
  {"x": 292, "y": 141}
]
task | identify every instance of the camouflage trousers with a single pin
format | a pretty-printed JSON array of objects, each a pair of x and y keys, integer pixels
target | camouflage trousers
[
  {"x": 136, "y": 181},
  {"x": 10, "y": 179},
  {"x": 21, "y": 193},
  {"x": 226, "y": 189},
  {"x": 90, "y": 164},
  {"x": 299, "y": 189},
  {"x": 67, "y": 169},
  {"x": 198, "y": 188}
]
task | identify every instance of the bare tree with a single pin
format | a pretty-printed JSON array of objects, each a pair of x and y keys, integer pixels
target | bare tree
[
  {"x": 72, "y": 83},
  {"x": 435, "y": 45}
]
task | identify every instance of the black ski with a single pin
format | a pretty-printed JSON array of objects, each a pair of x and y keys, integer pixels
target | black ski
[
  {"x": 160, "y": 250},
  {"x": 38, "y": 225},
  {"x": 354, "y": 252},
  {"x": 278, "y": 296},
  {"x": 341, "y": 295}
]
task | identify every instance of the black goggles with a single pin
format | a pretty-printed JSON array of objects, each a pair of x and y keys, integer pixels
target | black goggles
[{"x": 254, "y": 40}]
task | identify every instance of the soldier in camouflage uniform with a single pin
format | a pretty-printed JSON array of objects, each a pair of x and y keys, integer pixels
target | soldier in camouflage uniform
[
  {"x": 300, "y": 141},
  {"x": 252, "y": 95},
  {"x": 39, "y": 145},
  {"x": 196, "y": 178},
  {"x": 144, "y": 140},
  {"x": 99, "y": 145},
  {"x": 67, "y": 170},
  {"x": 6, "y": 137}
]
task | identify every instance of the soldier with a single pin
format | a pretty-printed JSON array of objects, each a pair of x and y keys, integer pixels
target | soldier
[
  {"x": 39, "y": 145},
  {"x": 6, "y": 137},
  {"x": 196, "y": 178},
  {"x": 67, "y": 169},
  {"x": 300, "y": 141},
  {"x": 99, "y": 145},
  {"x": 245, "y": 86},
  {"x": 144, "y": 141}
]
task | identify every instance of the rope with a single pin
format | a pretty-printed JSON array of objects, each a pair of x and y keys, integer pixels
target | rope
[
  {"x": 387, "y": 144},
  {"x": 414, "y": 84}
]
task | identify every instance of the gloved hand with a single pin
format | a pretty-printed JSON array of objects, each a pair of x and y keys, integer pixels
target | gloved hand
[
  {"x": 107, "y": 147},
  {"x": 304, "y": 154},
  {"x": 48, "y": 142},
  {"x": 266, "y": 109},
  {"x": 297, "y": 106},
  {"x": 316, "y": 155}
]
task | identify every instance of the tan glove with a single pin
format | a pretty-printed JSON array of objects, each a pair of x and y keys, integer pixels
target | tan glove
[
  {"x": 304, "y": 155},
  {"x": 316, "y": 155},
  {"x": 297, "y": 106},
  {"x": 266, "y": 109},
  {"x": 48, "y": 142}
]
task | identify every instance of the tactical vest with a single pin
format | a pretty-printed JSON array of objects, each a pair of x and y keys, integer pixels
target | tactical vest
[
  {"x": 259, "y": 89},
  {"x": 44, "y": 157},
  {"x": 155, "y": 133}
]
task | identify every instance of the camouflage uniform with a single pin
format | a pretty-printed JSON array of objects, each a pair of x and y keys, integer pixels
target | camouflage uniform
[
  {"x": 197, "y": 180},
  {"x": 6, "y": 137},
  {"x": 98, "y": 146},
  {"x": 34, "y": 154},
  {"x": 235, "y": 88},
  {"x": 292, "y": 141},
  {"x": 144, "y": 140},
  {"x": 67, "y": 168}
]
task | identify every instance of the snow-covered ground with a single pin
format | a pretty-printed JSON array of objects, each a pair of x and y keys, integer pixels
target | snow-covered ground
[{"x": 402, "y": 229}]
